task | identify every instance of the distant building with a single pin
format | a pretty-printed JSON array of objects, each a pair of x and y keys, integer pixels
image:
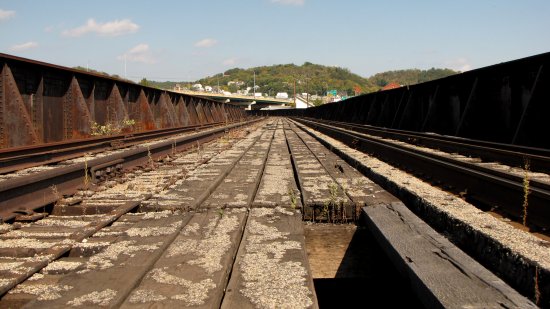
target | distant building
[
  {"x": 272, "y": 107},
  {"x": 208, "y": 88},
  {"x": 281, "y": 95},
  {"x": 236, "y": 83},
  {"x": 391, "y": 85},
  {"x": 197, "y": 87}
]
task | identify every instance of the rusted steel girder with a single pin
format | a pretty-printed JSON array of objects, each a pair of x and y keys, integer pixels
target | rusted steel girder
[{"x": 45, "y": 103}]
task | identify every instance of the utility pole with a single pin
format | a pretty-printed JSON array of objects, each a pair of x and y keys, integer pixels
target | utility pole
[
  {"x": 307, "y": 92},
  {"x": 125, "y": 75},
  {"x": 295, "y": 93},
  {"x": 254, "y": 84}
]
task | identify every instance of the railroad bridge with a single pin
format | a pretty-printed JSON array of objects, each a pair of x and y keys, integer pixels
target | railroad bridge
[{"x": 115, "y": 194}]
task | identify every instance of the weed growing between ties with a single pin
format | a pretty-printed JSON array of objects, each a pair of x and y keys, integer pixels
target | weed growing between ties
[
  {"x": 86, "y": 175},
  {"x": 150, "y": 158},
  {"x": 293, "y": 198},
  {"x": 56, "y": 194},
  {"x": 525, "y": 190},
  {"x": 333, "y": 210},
  {"x": 111, "y": 128},
  {"x": 174, "y": 147},
  {"x": 199, "y": 152},
  {"x": 220, "y": 212}
]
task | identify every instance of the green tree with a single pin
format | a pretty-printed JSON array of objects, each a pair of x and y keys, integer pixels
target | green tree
[{"x": 233, "y": 88}]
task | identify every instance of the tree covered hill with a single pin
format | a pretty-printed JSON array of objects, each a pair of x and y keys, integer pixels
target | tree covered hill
[{"x": 310, "y": 78}]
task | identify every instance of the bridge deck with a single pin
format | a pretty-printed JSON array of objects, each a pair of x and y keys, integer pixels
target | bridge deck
[{"x": 218, "y": 227}]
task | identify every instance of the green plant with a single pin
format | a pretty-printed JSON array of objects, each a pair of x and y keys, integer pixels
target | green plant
[
  {"x": 333, "y": 208},
  {"x": 525, "y": 190},
  {"x": 326, "y": 210},
  {"x": 341, "y": 204},
  {"x": 86, "y": 175},
  {"x": 199, "y": 153},
  {"x": 55, "y": 192},
  {"x": 293, "y": 198},
  {"x": 56, "y": 195},
  {"x": 333, "y": 190},
  {"x": 110, "y": 128},
  {"x": 150, "y": 157},
  {"x": 224, "y": 140}
]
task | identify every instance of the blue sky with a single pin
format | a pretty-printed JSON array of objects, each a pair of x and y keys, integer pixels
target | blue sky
[{"x": 187, "y": 40}]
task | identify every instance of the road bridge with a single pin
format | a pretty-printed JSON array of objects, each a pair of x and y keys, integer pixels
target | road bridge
[{"x": 248, "y": 102}]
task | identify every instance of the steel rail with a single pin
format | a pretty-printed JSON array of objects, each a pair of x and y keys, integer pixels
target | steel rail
[
  {"x": 14, "y": 159},
  {"x": 514, "y": 155},
  {"x": 491, "y": 187},
  {"x": 30, "y": 192}
]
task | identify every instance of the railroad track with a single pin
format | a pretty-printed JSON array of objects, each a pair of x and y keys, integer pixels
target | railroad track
[
  {"x": 123, "y": 246},
  {"x": 490, "y": 188},
  {"x": 14, "y": 159},
  {"x": 514, "y": 155},
  {"x": 244, "y": 195},
  {"x": 74, "y": 220},
  {"x": 20, "y": 196},
  {"x": 219, "y": 227}
]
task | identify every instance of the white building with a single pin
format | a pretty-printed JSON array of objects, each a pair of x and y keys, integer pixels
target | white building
[
  {"x": 237, "y": 83},
  {"x": 281, "y": 95},
  {"x": 197, "y": 87},
  {"x": 208, "y": 88}
]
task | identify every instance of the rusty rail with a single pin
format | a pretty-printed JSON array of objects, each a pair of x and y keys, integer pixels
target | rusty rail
[
  {"x": 14, "y": 159},
  {"x": 30, "y": 192},
  {"x": 488, "y": 186}
]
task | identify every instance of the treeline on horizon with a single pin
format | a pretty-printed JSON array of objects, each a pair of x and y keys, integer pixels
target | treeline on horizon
[{"x": 307, "y": 78}]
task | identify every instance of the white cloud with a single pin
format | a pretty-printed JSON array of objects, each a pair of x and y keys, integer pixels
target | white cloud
[
  {"x": 206, "y": 43},
  {"x": 5, "y": 15},
  {"x": 139, "y": 53},
  {"x": 111, "y": 28},
  {"x": 289, "y": 2},
  {"x": 230, "y": 61},
  {"x": 460, "y": 64},
  {"x": 23, "y": 46}
]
